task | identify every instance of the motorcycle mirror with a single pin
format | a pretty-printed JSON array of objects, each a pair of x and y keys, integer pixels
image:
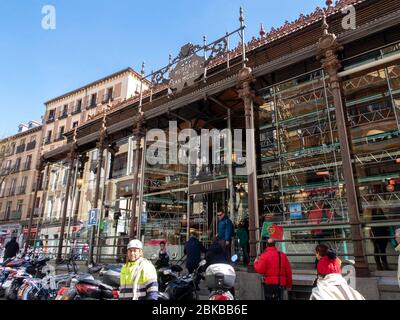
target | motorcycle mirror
[
  {"x": 202, "y": 263},
  {"x": 234, "y": 258},
  {"x": 174, "y": 255},
  {"x": 154, "y": 256}
]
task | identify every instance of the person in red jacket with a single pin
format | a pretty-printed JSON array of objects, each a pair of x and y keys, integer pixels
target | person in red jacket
[{"x": 277, "y": 272}]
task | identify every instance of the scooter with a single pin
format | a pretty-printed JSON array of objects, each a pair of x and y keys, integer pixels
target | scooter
[{"x": 220, "y": 279}]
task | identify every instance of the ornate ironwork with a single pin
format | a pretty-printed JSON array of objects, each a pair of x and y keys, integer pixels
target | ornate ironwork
[
  {"x": 214, "y": 50},
  {"x": 217, "y": 49}
]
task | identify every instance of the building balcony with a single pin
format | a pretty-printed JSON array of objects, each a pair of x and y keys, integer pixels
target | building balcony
[
  {"x": 63, "y": 115},
  {"x": 107, "y": 98},
  {"x": 47, "y": 141},
  {"x": 40, "y": 188},
  {"x": 20, "y": 149},
  {"x": 26, "y": 166},
  {"x": 91, "y": 106},
  {"x": 59, "y": 139},
  {"x": 15, "y": 215},
  {"x": 31, "y": 146},
  {"x": 76, "y": 111},
  {"x": 51, "y": 119},
  {"x": 9, "y": 192},
  {"x": 21, "y": 190}
]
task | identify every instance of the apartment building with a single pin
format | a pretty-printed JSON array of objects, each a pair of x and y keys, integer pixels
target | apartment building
[
  {"x": 19, "y": 155},
  {"x": 62, "y": 115}
]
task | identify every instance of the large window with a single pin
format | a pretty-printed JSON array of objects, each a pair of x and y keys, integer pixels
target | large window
[{"x": 300, "y": 178}]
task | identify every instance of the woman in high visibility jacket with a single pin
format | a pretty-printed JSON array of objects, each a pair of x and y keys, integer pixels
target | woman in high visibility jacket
[{"x": 138, "y": 275}]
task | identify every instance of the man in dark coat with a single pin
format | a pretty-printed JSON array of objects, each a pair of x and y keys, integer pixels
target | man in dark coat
[
  {"x": 193, "y": 250},
  {"x": 225, "y": 230},
  {"x": 12, "y": 248}
]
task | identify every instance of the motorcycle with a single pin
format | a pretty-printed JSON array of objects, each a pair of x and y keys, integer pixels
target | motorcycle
[
  {"x": 87, "y": 289},
  {"x": 184, "y": 287},
  {"x": 91, "y": 289}
]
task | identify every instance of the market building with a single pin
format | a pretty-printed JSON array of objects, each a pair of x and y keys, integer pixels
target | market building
[{"x": 317, "y": 102}]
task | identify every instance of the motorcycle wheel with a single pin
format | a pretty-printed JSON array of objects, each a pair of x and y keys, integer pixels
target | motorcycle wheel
[{"x": 12, "y": 291}]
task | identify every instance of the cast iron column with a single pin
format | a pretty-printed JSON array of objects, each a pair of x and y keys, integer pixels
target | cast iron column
[
  {"x": 245, "y": 93},
  {"x": 328, "y": 47},
  {"x": 100, "y": 147},
  {"x": 39, "y": 178},
  {"x": 138, "y": 133},
  {"x": 72, "y": 157}
]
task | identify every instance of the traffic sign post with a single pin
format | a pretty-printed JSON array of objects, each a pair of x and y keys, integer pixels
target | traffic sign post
[{"x": 93, "y": 217}]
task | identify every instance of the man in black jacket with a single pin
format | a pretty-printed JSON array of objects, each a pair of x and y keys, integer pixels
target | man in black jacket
[
  {"x": 193, "y": 250},
  {"x": 12, "y": 248}
]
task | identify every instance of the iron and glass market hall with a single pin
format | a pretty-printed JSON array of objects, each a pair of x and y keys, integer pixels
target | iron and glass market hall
[{"x": 307, "y": 123}]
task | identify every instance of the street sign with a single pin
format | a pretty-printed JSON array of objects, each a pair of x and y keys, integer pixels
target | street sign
[{"x": 93, "y": 215}]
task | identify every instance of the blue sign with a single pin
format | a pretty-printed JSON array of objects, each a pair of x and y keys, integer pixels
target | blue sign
[
  {"x": 93, "y": 215},
  {"x": 295, "y": 210}
]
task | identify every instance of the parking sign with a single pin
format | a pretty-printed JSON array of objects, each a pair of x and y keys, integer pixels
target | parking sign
[{"x": 93, "y": 214}]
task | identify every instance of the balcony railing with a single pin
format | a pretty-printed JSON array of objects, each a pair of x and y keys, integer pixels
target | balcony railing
[
  {"x": 21, "y": 190},
  {"x": 20, "y": 149},
  {"x": 92, "y": 105},
  {"x": 10, "y": 170},
  {"x": 35, "y": 185},
  {"x": 63, "y": 115},
  {"x": 16, "y": 215},
  {"x": 76, "y": 111},
  {"x": 47, "y": 141},
  {"x": 26, "y": 166},
  {"x": 107, "y": 98},
  {"x": 31, "y": 145},
  {"x": 9, "y": 192},
  {"x": 59, "y": 138},
  {"x": 51, "y": 119}
]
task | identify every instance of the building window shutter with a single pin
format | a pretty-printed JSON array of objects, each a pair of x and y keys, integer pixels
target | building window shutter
[{"x": 117, "y": 90}]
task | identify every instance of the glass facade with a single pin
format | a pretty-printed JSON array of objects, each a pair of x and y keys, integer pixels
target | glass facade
[{"x": 301, "y": 184}]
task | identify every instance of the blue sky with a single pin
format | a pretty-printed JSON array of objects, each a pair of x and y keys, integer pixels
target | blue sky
[{"x": 94, "y": 38}]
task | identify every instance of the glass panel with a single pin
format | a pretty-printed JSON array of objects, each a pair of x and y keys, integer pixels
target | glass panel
[
  {"x": 375, "y": 140},
  {"x": 301, "y": 180}
]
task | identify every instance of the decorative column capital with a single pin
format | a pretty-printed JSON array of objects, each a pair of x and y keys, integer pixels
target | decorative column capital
[{"x": 245, "y": 79}]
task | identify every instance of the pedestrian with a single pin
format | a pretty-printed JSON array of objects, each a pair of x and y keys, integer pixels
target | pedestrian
[
  {"x": 217, "y": 253},
  {"x": 193, "y": 250},
  {"x": 243, "y": 238},
  {"x": 331, "y": 285},
  {"x": 11, "y": 249},
  {"x": 225, "y": 230},
  {"x": 163, "y": 256},
  {"x": 380, "y": 238},
  {"x": 276, "y": 269},
  {"x": 138, "y": 280},
  {"x": 398, "y": 250},
  {"x": 328, "y": 262}
]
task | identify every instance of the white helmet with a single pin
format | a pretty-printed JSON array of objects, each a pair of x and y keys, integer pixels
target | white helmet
[{"x": 135, "y": 244}]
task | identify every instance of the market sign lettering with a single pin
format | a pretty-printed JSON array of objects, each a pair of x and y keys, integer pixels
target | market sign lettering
[{"x": 186, "y": 72}]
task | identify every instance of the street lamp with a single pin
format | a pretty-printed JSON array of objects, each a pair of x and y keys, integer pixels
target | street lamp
[{"x": 79, "y": 182}]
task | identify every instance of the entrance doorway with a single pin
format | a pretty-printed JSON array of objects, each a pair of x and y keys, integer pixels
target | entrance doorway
[{"x": 203, "y": 214}]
